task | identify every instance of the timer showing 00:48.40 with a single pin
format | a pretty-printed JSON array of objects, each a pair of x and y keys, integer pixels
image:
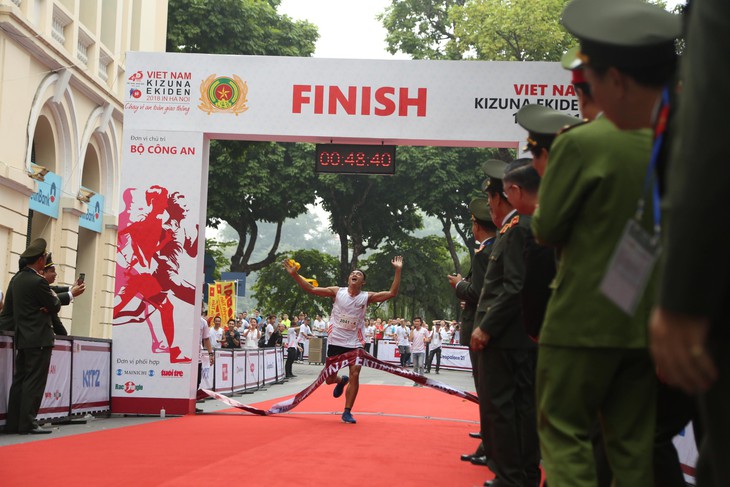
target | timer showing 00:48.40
[{"x": 355, "y": 159}]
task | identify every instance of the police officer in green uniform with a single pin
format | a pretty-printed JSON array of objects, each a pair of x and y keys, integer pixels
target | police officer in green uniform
[
  {"x": 593, "y": 355},
  {"x": 468, "y": 290},
  {"x": 506, "y": 357},
  {"x": 589, "y": 109},
  {"x": 66, "y": 294},
  {"x": 33, "y": 303},
  {"x": 542, "y": 124},
  {"x": 690, "y": 332}
]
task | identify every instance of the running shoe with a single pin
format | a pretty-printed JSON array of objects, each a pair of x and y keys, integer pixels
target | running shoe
[
  {"x": 341, "y": 387},
  {"x": 347, "y": 418}
]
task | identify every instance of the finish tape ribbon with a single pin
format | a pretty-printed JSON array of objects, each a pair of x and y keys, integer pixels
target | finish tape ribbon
[{"x": 331, "y": 367}]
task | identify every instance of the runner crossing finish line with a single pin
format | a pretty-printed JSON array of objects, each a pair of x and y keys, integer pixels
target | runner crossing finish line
[{"x": 357, "y": 357}]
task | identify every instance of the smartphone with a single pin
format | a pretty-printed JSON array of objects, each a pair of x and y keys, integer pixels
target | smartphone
[{"x": 82, "y": 277}]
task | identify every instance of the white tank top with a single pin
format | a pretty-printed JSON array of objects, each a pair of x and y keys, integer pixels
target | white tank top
[{"x": 347, "y": 320}]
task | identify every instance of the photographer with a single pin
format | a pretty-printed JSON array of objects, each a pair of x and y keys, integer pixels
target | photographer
[
  {"x": 231, "y": 337},
  {"x": 251, "y": 335}
]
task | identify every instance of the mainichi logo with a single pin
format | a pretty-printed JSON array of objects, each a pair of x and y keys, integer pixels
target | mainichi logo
[{"x": 223, "y": 95}]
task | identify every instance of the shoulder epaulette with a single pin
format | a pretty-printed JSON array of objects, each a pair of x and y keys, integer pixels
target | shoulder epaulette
[
  {"x": 568, "y": 128},
  {"x": 509, "y": 225}
]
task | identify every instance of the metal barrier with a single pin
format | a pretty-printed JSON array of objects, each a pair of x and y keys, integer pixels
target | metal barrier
[{"x": 79, "y": 377}]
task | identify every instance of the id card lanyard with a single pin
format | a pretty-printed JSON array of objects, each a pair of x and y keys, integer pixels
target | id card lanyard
[{"x": 635, "y": 256}]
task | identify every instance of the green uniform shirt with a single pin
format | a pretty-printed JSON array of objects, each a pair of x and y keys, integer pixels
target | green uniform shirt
[{"x": 594, "y": 178}]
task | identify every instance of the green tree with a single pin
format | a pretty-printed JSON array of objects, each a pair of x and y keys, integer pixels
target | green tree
[
  {"x": 424, "y": 289},
  {"x": 515, "y": 30},
  {"x": 448, "y": 179},
  {"x": 421, "y": 28},
  {"x": 275, "y": 291},
  {"x": 258, "y": 182},
  {"x": 236, "y": 27},
  {"x": 216, "y": 250},
  {"x": 366, "y": 211},
  {"x": 249, "y": 182}
]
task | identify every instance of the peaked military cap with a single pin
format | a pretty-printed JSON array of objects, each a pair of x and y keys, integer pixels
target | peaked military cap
[
  {"x": 36, "y": 248},
  {"x": 622, "y": 33},
  {"x": 479, "y": 208},
  {"x": 573, "y": 63},
  {"x": 49, "y": 261},
  {"x": 542, "y": 124},
  {"x": 494, "y": 169}
]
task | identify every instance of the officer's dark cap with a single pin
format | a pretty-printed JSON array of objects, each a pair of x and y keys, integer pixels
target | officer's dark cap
[
  {"x": 49, "y": 261},
  {"x": 543, "y": 124},
  {"x": 36, "y": 248},
  {"x": 494, "y": 169},
  {"x": 622, "y": 33},
  {"x": 479, "y": 208}
]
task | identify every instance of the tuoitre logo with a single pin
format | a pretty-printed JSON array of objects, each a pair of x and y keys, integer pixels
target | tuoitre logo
[
  {"x": 222, "y": 94},
  {"x": 171, "y": 373}
]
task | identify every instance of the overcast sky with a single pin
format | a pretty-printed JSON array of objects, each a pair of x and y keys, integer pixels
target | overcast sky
[{"x": 347, "y": 28}]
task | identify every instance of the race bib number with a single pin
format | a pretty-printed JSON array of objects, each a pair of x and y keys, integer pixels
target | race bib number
[{"x": 346, "y": 322}]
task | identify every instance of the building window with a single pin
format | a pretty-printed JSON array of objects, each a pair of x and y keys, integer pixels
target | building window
[{"x": 59, "y": 30}]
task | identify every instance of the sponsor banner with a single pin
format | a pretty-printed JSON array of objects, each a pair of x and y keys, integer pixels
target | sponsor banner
[
  {"x": 279, "y": 363},
  {"x": 94, "y": 216},
  {"x": 388, "y": 352},
  {"x": 206, "y": 373},
  {"x": 158, "y": 283},
  {"x": 269, "y": 366},
  {"x": 223, "y": 371},
  {"x": 57, "y": 396},
  {"x": 684, "y": 442},
  {"x": 6, "y": 374},
  {"x": 455, "y": 357},
  {"x": 91, "y": 375},
  {"x": 333, "y": 365},
  {"x": 221, "y": 300},
  {"x": 253, "y": 368},
  {"x": 47, "y": 199},
  {"x": 342, "y": 100},
  {"x": 240, "y": 278},
  {"x": 239, "y": 370}
]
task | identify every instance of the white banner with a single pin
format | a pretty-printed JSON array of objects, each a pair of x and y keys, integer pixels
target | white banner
[
  {"x": 684, "y": 442},
  {"x": 239, "y": 370},
  {"x": 56, "y": 397},
  {"x": 253, "y": 368},
  {"x": 6, "y": 374},
  {"x": 157, "y": 294},
  {"x": 269, "y": 365},
  {"x": 388, "y": 352},
  {"x": 206, "y": 373},
  {"x": 223, "y": 371},
  {"x": 455, "y": 357},
  {"x": 340, "y": 100},
  {"x": 91, "y": 374},
  {"x": 279, "y": 363}
]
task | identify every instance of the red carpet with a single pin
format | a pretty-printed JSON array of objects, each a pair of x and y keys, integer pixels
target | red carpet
[{"x": 404, "y": 436}]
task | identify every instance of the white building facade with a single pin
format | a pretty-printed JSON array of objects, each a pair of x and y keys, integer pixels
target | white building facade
[{"x": 62, "y": 76}]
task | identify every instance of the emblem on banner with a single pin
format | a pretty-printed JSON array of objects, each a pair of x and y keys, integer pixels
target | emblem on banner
[{"x": 223, "y": 95}]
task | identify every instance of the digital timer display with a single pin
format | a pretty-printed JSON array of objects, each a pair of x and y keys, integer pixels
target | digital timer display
[{"x": 355, "y": 159}]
